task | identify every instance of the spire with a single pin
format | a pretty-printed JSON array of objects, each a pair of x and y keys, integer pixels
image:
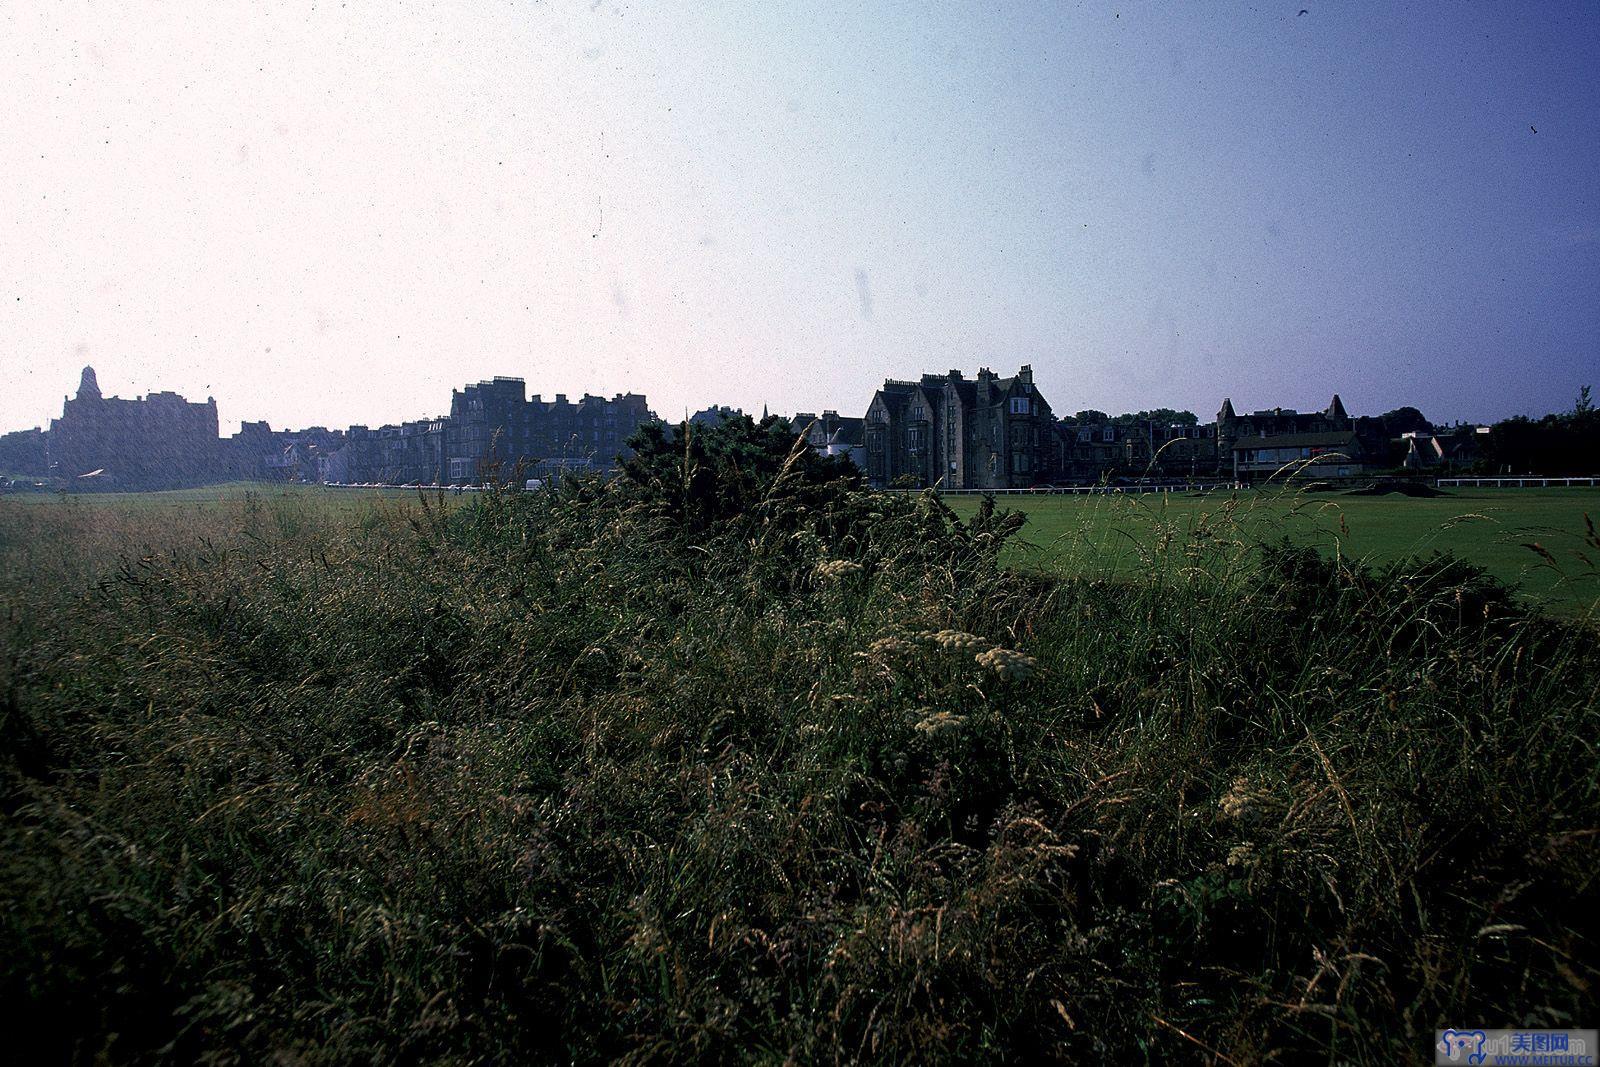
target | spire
[
  {"x": 88, "y": 388},
  {"x": 1227, "y": 409},
  {"x": 1336, "y": 409}
]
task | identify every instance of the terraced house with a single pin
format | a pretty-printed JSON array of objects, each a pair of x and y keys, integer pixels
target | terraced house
[
  {"x": 953, "y": 432},
  {"x": 494, "y": 427}
]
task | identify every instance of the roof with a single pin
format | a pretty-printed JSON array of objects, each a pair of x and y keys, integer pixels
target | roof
[
  {"x": 1299, "y": 440},
  {"x": 849, "y": 432}
]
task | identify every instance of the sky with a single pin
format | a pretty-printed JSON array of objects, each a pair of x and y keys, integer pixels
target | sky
[{"x": 334, "y": 213}]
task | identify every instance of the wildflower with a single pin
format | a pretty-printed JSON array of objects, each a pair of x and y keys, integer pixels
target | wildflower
[
  {"x": 1239, "y": 801},
  {"x": 1243, "y": 855},
  {"x": 938, "y": 721},
  {"x": 833, "y": 569},
  {"x": 1007, "y": 663},
  {"x": 891, "y": 646},
  {"x": 957, "y": 641}
]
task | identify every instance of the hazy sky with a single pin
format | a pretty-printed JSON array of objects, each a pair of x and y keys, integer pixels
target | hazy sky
[{"x": 332, "y": 213}]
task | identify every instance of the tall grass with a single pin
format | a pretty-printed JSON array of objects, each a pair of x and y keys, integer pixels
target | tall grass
[{"x": 569, "y": 777}]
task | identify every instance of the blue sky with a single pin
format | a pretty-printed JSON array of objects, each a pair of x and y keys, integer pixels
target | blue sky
[{"x": 321, "y": 215}]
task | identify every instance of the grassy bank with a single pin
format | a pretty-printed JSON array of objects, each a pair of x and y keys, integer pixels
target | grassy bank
[{"x": 632, "y": 773}]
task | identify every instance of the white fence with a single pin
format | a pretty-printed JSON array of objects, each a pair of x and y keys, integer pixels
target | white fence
[
  {"x": 1073, "y": 490},
  {"x": 1516, "y": 483}
]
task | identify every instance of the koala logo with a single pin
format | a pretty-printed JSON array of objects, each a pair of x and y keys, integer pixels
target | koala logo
[{"x": 1454, "y": 1043}]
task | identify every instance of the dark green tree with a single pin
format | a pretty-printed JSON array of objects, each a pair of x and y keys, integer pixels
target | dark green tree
[{"x": 1405, "y": 420}]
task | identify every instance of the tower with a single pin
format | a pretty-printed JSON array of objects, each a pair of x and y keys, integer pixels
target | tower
[
  {"x": 1225, "y": 437},
  {"x": 88, "y": 387}
]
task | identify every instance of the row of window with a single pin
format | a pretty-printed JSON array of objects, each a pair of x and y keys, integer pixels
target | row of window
[{"x": 1281, "y": 455}]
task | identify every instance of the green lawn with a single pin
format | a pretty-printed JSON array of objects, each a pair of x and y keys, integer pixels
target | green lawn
[{"x": 1101, "y": 535}]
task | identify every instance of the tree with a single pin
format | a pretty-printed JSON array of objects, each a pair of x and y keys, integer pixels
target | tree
[
  {"x": 1405, "y": 420},
  {"x": 1161, "y": 417}
]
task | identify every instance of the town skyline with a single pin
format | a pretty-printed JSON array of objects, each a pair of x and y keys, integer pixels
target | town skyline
[
  {"x": 115, "y": 385},
  {"x": 331, "y": 216}
]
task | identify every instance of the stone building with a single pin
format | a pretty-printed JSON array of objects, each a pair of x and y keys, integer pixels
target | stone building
[
  {"x": 260, "y": 453},
  {"x": 949, "y": 431},
  {"x": 493, "y": 430},
  {"x": 1088, "y": 453},
  {"x": 24, "y": 454},
  {"x": 1169, "y": 451},
  {"x": 156, "y": 441}
]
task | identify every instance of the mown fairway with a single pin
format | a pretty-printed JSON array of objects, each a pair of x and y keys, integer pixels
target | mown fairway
[{"x": 1103, "y": 536}]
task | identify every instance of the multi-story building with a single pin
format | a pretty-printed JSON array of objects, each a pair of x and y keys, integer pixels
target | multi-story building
[
  {"x": 24, "y": 453},
  {"x": 151, "y": 442},
  {"x": 408, "y": 453},
  {"x": 493, "y": 427},
  {"x": 1169, "y": 450},
  {"x": 958, "y": 433}
]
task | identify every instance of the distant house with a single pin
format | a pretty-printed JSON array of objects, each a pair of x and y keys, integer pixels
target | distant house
[
  {"x": 714, "y": 416},
  {"x": 1086, "y": 453},
  {"x": 832, "y": 434},
  {"x": 1457, "y": 449},
  {"x": 949, "y": 431},
  {"x": 408, "y": 453},
  {"x": 1326, "y": 443},
  {"x": 24, "y": 452},
  {"x": 1336, "y": 454}
]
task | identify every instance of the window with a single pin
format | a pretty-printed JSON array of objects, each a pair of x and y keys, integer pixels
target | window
[
  {"x": 1019, "y": 405},
  {"x": 919, "y": 412},
  {"x": 1109, "y": 434}
]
